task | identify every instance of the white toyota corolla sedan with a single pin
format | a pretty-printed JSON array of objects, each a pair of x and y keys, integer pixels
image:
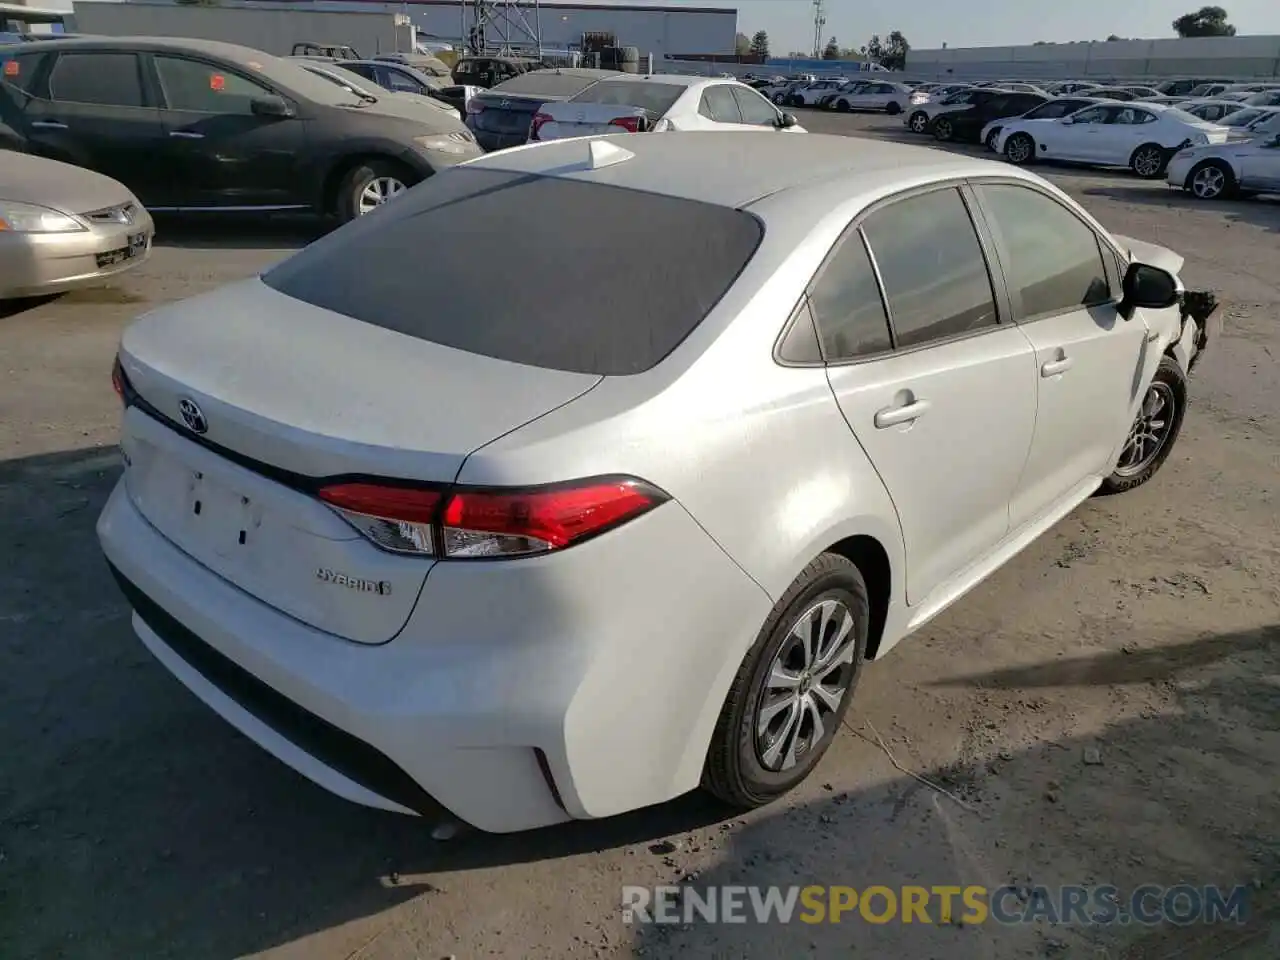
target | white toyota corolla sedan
[{"x": 626, "y": 510}]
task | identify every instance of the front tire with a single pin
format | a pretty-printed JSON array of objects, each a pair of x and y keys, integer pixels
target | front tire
[
  {"x": 1154, "y": 431},
  {"x": 919, "y": 122},
  {"x": 992, "y": 137},
  {"x": 842, "y": 106},
  {"x": 370, "y": 184},
  {"x": 786, "y": 703},
  {"x": 943, "y": 129},
  {"x": 1211, "y": 180},
  {"x": 1020, "y": 149},
  {"x": 893, "y": 109},
  {"x": 1149, "y": 161}
]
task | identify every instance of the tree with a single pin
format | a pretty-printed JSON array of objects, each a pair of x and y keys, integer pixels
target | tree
[
  {"x": 831, "y": 51},
  {"x": 894, "y": 52},
  {"x": 1205, "y": 22},
  {"x": 741, "y": 44},
  {"x": 1113, "y": 37},
  {"x": 874, "y": 50},
  {"x": 760, "y": 44}
]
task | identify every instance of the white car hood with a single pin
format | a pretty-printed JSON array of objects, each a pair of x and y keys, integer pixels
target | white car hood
[{"x": 1151, "y": 253}]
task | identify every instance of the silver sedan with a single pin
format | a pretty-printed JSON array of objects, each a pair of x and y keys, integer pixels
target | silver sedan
[{"x": 63, "y": 227}]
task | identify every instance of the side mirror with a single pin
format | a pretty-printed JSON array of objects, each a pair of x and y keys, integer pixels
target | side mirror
[
  {"x": 270, "y": 106},
  {"x": 786, "y": 121},
  {"x": 1149, "y": 288}
]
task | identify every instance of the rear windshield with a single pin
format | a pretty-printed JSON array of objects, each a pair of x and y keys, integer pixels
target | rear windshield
[
  {"x": 542, "y": 271},
  {"x": 655, "y": 97},
  {"x": 547, "y": 83}
]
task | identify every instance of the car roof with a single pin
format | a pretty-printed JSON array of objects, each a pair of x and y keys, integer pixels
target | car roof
[
  {"x": 690, "y": 164},
  {"x": 674, "y": 79},
  {"x": 233, "y": 52}
]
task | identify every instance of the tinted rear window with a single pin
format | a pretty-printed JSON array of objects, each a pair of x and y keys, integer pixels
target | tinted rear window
[
  {"x": 542, "y": 271},
  {"x": 546, "y": 83},
  {"x": 656, "y": 97}
]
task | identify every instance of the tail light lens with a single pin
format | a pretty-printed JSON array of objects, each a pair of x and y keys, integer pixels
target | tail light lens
[
  {"x": 489, "y": 523},
  {"x": 629, "y": 124},
  {"x": 398, "y": 519},
  {"x": 119, "y": 382},
  {"x": 538, "y": 120}
]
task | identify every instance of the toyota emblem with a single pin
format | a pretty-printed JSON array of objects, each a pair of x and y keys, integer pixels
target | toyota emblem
[{"x": 192, "y": 416}]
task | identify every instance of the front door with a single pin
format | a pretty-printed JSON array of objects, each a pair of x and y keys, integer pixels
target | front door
[
  {"x": 1088, "y": 359},
  {"x": 219, "y": 153},
  {"x": 91, "y": 110},
  {"x": 939, "y": 392}
]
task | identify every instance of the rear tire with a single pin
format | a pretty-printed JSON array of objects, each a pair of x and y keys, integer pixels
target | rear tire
[
  {"x": 1149, "y": 161},
  {"x": 919, "y": 122},
  {"x": 842, "y": 106},
  {"x": 772, "y": 732},
  {"x": 943, "y": 130},
  {"x": 1020, "y": 149},
  {"x": 1154, "y": 431},
  {"x": 1211, "y": 180},
  {"x": 358, "y": 192},
  {"x": 893, "y": 109}
]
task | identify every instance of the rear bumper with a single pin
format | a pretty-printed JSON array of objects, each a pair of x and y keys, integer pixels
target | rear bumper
[
  {"x": 520, "y": 694},
  {"x": 499, "y": 141},
  {"x": 37, "y": 264}
]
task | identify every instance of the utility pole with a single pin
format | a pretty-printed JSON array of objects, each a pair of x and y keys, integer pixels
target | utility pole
[{"x": 819, "y": 21}]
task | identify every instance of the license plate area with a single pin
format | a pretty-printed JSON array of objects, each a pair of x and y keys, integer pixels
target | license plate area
[{"x": 136, "y": 246}]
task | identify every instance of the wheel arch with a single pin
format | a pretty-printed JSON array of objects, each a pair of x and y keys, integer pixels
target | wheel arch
[{"x": 872, "y": 560}]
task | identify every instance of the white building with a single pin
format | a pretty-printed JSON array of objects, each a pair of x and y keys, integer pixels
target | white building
[{"x": 661, "y": 31}]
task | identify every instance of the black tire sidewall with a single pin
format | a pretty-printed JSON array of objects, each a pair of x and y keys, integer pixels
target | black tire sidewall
[
  {"x": 1011, "y": 141},
  {"x": 1171, "y": 373},
  {"x": 836, "y": 578},
  {"x": 359, "y": 177},
  {"x": 943, "y": 130}
]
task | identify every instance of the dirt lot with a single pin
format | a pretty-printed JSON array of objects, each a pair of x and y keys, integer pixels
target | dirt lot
[{"x": 1106, "y": 710}]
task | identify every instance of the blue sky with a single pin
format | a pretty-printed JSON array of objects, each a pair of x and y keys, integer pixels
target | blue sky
[{"x": 976, "y": 23}]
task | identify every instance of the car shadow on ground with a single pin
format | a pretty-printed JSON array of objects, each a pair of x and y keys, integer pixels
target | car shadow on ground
[
  {"x": 134, "y": 822},
  {"x": 229, "y": 231},
  {"x": 1260, "y": 211}
]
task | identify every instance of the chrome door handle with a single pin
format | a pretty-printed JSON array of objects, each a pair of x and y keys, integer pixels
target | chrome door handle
[
  {"x": 48, "y": 125},
  {"x": 186, "y": 135},
  {"x": 1055, "y": 367},
  {"x": 892, "y": 416}
]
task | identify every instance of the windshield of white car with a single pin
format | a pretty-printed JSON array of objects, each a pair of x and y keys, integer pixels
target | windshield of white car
[
  {"x": 655, "y": 97},
  {"x": 548, "y": 83},
  {"x": 568, "y": 296}
]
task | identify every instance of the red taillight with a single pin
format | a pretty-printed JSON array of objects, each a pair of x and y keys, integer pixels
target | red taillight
[
  {"x": 538, "y": 120},
  {"x": 118, "y": 381},
  {"x": 475, "y": 106},
  {"x": 629, "y": 124},
  {"x": 399, "y": 519},
  {"x": 480, "y": 523}
]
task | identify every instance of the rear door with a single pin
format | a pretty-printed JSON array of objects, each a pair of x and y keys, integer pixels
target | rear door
[
  {"x": 218, "y": 152},
  {"x": 1260, "y": 165},
  {"x": 938, "y": 388},
  {"x": 91, "y": 109},
  {"x": 1088, "y": 359}
]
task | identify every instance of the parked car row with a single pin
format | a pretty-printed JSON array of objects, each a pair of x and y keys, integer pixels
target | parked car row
[{"x": 1211, "y": 148}]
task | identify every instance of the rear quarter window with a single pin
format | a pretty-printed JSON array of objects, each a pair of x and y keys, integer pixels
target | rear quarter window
[{"x": 577, "y": 286}]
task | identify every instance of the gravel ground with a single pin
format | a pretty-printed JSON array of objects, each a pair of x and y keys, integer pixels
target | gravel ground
[{"x": 1105, "y": 710}]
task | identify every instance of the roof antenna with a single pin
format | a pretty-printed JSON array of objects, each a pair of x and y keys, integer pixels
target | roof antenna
[{"x": 606, "y": 154}]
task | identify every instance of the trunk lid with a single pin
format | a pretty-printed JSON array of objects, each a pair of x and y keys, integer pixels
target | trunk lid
[
  {"x": 288, "y": 393},
  {"x": 504, "y": 114},
  {"x": 585, "y": 119}
]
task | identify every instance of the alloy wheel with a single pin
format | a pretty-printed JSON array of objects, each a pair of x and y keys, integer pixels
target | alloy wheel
[
  {"x": 942, "y": 129},
  {"x": 806, "y": 683},
  {"x": 1209, "y": 183},
  {"x": 1150, "y": 430},
  {"x": 1147, "y": 163},
  {"x": 919, "y": 122},
  {"x": 377, "y": 192},
  {"x": 1018, "y": 150}
]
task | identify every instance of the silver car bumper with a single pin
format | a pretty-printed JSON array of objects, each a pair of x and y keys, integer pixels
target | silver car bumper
[{"x": 33, "y": 264}]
